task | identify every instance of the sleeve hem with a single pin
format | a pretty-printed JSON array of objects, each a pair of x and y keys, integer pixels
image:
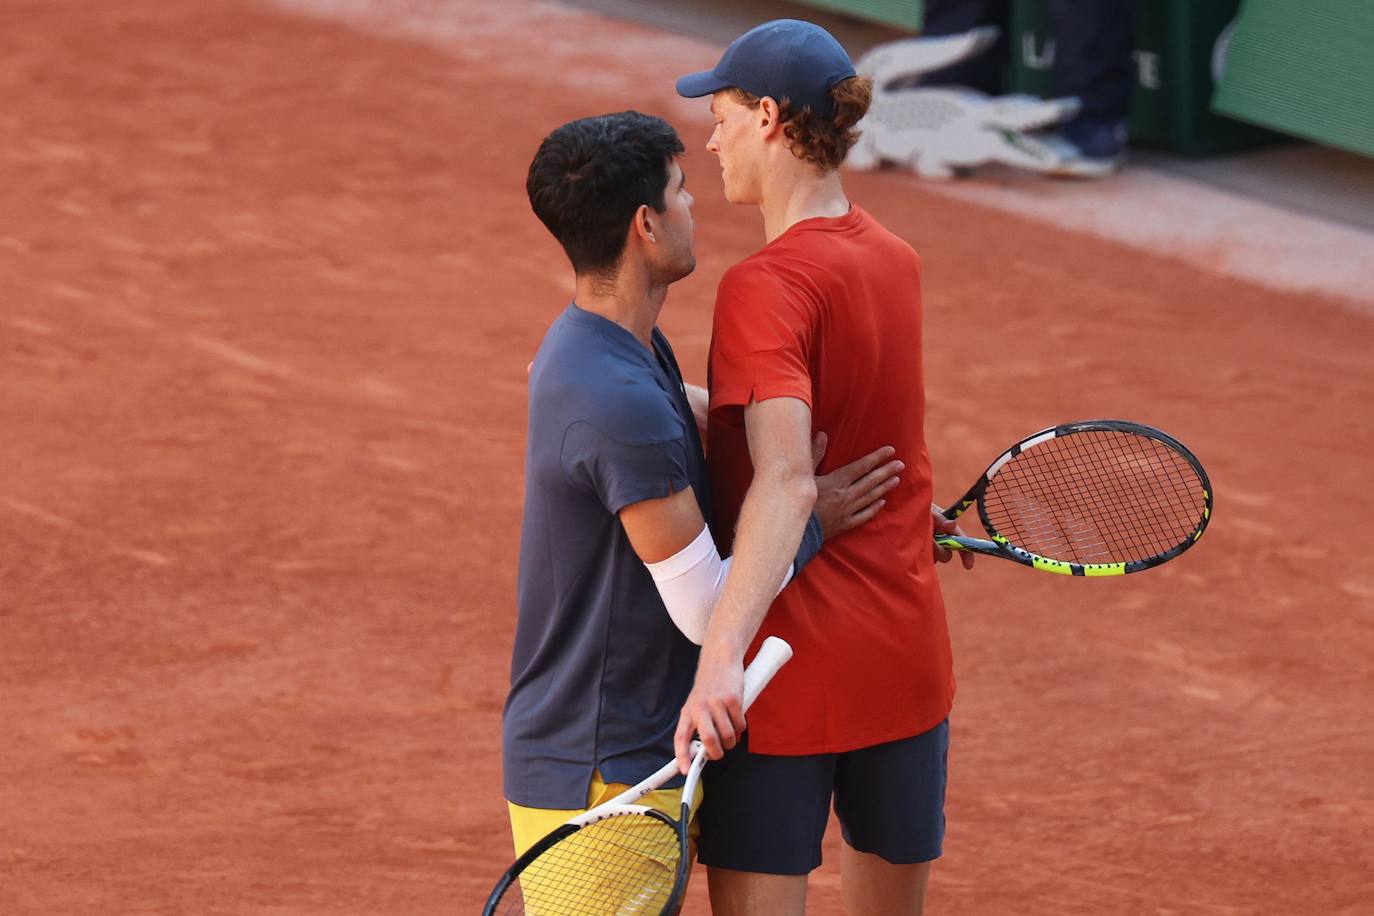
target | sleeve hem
[
  {"x": 675, "y": 483},
  {"x": 763, "y": 390}
]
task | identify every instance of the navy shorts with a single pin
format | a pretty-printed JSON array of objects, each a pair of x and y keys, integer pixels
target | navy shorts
[{"x": 767, "y": 814}]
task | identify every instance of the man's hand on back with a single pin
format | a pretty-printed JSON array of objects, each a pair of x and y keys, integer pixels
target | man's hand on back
[{"x": 852, "y": 495}]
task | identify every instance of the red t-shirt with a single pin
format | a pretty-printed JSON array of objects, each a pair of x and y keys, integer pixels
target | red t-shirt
[{"x": 830, "y": 313}]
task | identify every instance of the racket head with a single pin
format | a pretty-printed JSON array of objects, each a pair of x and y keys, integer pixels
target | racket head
[
  {"x": 1095, "y": 498},
  {"x": 630, "y": 859}
]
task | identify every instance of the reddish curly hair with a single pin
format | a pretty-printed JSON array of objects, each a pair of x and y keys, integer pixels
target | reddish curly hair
[{"x": 824, "y": 142}]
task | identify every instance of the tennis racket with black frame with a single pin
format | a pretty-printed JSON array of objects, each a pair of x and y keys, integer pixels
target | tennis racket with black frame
[
  {"x": 620, "y": 857},
  {"x": 1093, "y": 498}
]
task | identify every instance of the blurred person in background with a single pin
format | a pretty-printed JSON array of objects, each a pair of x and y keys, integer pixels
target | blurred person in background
[{"x": 1092, "y": 48}]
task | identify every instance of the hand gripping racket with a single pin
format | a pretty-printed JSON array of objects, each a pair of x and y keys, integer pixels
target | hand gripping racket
[
  {"x": 1095, "y": 498},
  {"x": 620, "y": 857}
]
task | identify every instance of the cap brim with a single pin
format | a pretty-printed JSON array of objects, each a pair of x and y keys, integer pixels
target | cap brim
[{"x": 695, "y": 85}]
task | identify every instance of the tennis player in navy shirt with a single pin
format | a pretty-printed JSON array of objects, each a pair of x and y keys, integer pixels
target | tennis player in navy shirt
[{"x": 618, "y": 567}]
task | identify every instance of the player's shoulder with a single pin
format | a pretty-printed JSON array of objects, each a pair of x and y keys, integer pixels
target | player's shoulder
[
  {"x": 766, "y": 275},
  {"x": 632, "y": 410},
  {"x": 759, "y": 267},
  {"x": 898, "y": 245},
  {"x": 584, "y": 375}
]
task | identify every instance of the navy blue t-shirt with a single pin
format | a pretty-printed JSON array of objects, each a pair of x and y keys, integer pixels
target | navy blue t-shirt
[{"x": 599, "y": 672}]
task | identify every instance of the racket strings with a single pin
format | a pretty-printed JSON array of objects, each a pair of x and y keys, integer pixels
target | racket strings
[
  {"x": 626, "y": 864},
  {"x": 1082, "y": 531},
  {"x": 1116, "y": 517},
  {"x": 1100, "y": 496}
]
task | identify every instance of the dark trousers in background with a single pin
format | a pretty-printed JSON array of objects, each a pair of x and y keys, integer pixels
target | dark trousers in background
[{"x": 1092, "y": 55}]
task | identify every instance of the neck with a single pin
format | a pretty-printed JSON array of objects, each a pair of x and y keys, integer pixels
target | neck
[
  {"x": 628, "y": 297},
  {"x": 794, "y": 190}
]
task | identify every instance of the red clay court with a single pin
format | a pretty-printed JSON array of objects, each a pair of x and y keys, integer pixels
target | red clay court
[{"x": 268, "y": 286}]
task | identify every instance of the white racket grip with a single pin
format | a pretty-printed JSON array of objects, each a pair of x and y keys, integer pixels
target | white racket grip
[{"x": 772, "y": 655}]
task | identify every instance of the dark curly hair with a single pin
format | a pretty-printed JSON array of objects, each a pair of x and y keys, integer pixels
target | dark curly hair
[
  {"x": 812, "y": 138},
  {"x": 590, "y": 176}
]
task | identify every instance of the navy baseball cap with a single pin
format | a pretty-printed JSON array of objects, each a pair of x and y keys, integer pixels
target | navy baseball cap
[{"x": 785, "y": 58}]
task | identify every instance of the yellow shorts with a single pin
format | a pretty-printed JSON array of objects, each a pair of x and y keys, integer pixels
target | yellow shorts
[
  {"x": 541, "y": 891},
  {"x": 530, "y": 825}
]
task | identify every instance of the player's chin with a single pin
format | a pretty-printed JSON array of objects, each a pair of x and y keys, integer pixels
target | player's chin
[
  {"x": 731, "y": 192},
  {"x": 689, "y": 265},
  {"x": 679, "y": 270}
]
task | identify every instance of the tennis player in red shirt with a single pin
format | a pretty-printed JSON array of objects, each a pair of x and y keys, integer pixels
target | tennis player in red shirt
[{"x": 820, "y": 329}]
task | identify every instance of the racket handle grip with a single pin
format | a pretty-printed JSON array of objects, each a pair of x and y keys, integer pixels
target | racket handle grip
[{"x": 772, "y": 655}]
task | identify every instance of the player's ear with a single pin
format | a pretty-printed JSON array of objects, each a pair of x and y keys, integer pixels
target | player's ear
[
  {"x": 642, "y": 226},
  {"x": 768, "y": 120}
]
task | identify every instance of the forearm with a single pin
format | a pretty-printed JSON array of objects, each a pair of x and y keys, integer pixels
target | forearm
[{"x": 772, "y": 519}]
